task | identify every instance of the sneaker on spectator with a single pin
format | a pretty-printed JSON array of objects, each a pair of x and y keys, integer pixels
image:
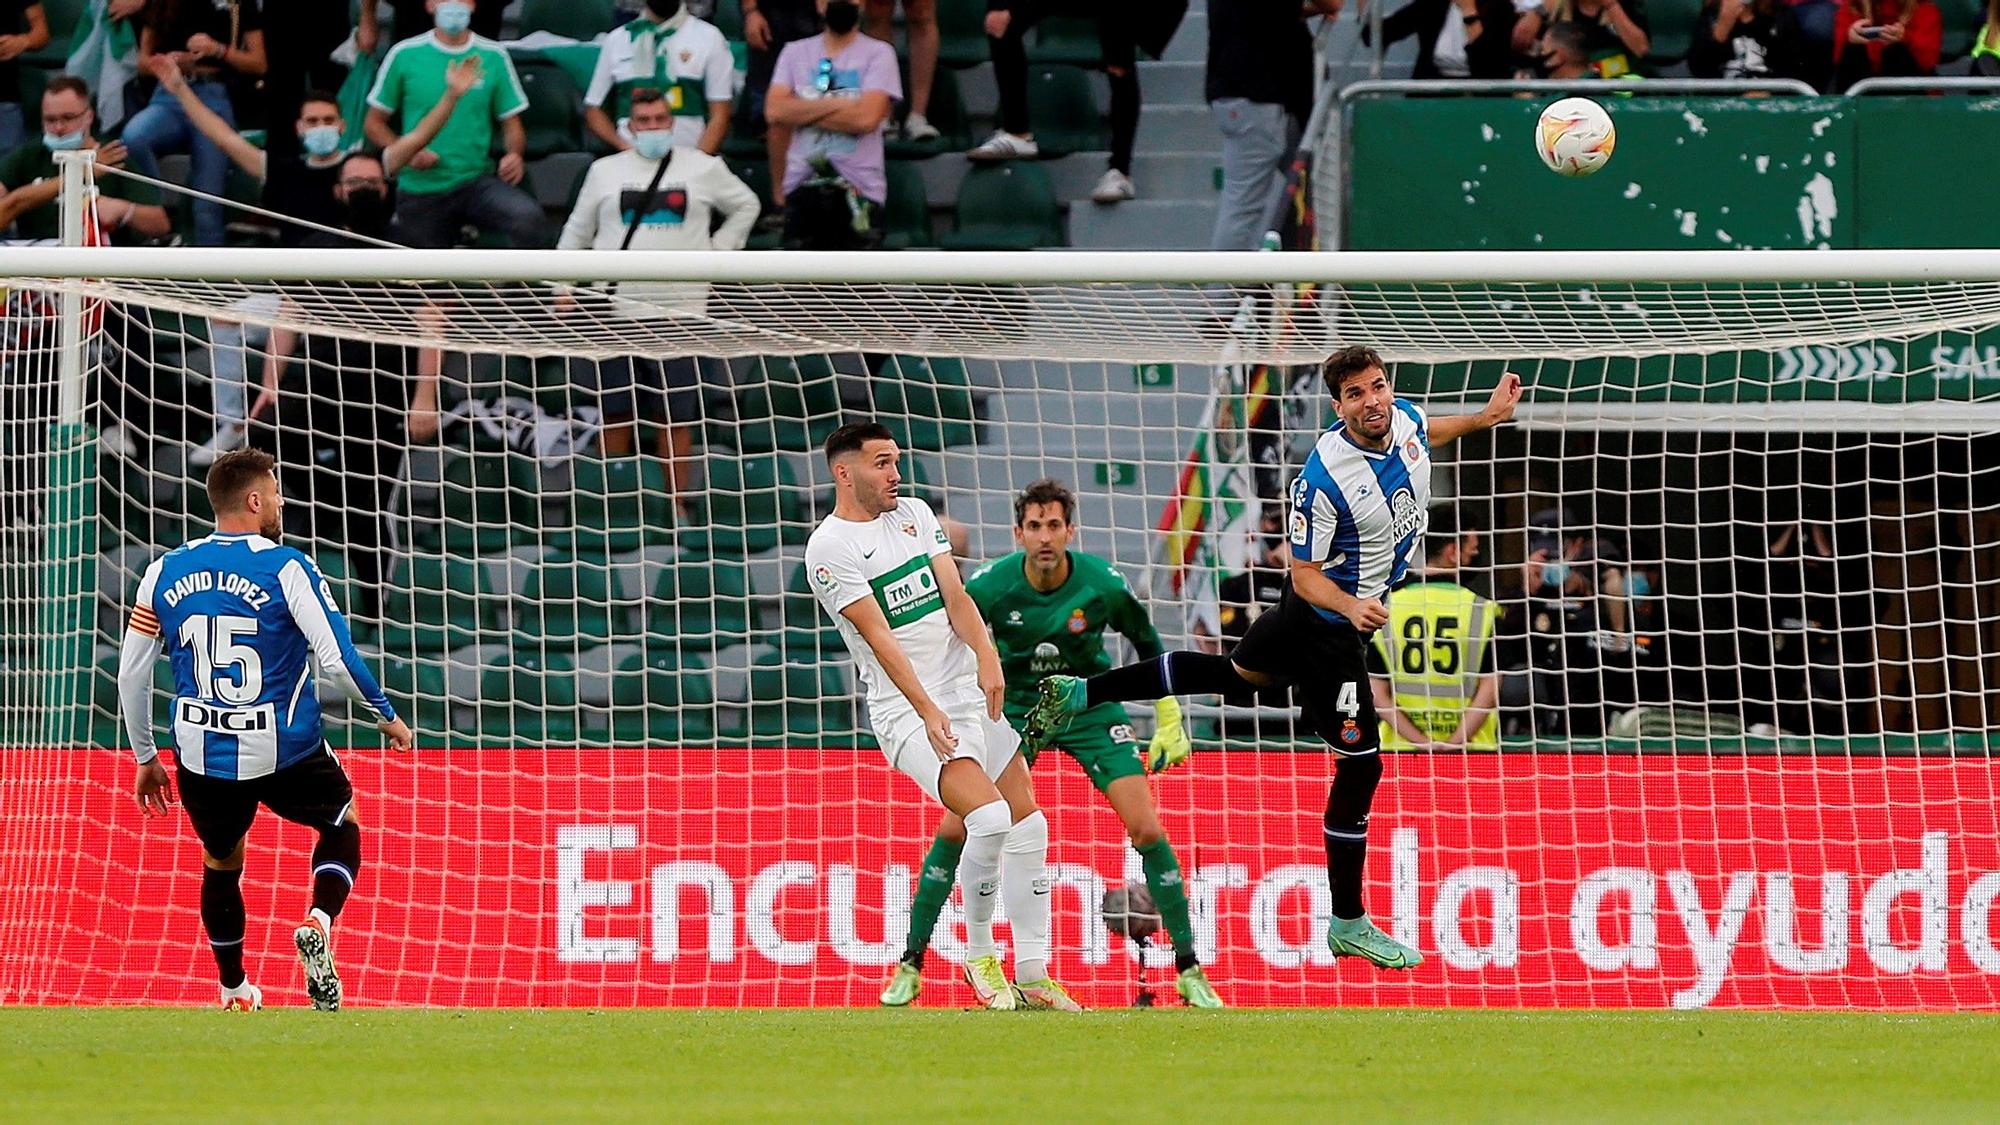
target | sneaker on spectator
[
  {"x": 117, "y": 441},
  {"x": 1003, "y": 145},
  {"x": 917, "y": 127},
  {"x": 1113, "y": 187},
  {"x": 228, "y": 437}
]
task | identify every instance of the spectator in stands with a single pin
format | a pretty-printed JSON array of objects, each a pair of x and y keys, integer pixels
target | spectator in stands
[
  {"x": 453, "y": 180},
  {"x": 667, "y": 49},
  {"x": 301, "y": 186},
  {"x": 1886, "y": 39},
  {"x": 1614, "y": 32},
  {"x": 24, "y": 27},
  {"x": 769, "y": 26},
  {"x": 1007, "y": 26},
  {"x": 1747, "y": 39},
  {"x": 413, "y": 17},
  {"x": 1432, "y": 666},
  {"x": 920, "y": 26},
  {"x": 214, "y": 44},
  {"x": 1565, "y": 52},
  {"x": 1577, "y": 622},
  {"x": 300, "y": 37},
  {"x": 1986, "y": 45},
  {"x": 30, "y": 181},
  {"x": 659, "y": 195},
  {"x": 1259, "y": 86},
  {"x": 835, "y": 92},
  {"x": 1456, "y": 38},
  {"x": 1245, "y": 596}
]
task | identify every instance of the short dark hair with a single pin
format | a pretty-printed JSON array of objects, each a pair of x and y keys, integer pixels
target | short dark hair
[
  {"x": 1444, "y": 531},
  {"x": 851, "y": 437},
  {"x": 234, "y": 474},
  {"x": 1571, "y": 35},
  {"x": 647, "y": 95},
  {"x": 318, "y": 95},
  {"x": 1348, "y": 362},
  {"x": 68, "y": 84},
  {"x": 1047, "y": 490}
]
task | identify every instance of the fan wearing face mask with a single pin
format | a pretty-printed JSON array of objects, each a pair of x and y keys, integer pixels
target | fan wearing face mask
[
  {"x": 30, "y": 182},
  {"x": 660, "y": 194},
  {"x": 669, "y": 49},
  {"x": 834, "y": 92},
  {"x": 452, "y": 180}
]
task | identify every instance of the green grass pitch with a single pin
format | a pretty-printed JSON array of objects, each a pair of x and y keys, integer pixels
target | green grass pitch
[{"x": 1168, "y": 1065}]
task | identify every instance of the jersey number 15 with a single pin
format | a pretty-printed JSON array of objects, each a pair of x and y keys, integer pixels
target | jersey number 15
[{"x": 218, "y": 647}]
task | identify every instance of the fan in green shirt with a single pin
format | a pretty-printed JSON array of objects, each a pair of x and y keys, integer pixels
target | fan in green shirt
[
  {"x": 413, "y": 78},
  {"x": 1048, "y": 608}
]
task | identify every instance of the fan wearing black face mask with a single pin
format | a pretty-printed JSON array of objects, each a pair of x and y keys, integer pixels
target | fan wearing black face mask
[
  {"x": 834, "y": 93},
  {"x": 669, "y": 49}
]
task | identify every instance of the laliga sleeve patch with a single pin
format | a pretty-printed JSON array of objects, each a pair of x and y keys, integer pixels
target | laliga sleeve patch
[
  {"x": 1301, "y": 528},
  {"x": 823, "y": 577}
]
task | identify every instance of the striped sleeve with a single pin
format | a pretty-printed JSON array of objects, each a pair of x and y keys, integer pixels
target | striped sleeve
[{"x": 311, "y": 603}]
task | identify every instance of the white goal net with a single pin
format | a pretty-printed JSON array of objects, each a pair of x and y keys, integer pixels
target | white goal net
[{"x": 1742, "y": 550}]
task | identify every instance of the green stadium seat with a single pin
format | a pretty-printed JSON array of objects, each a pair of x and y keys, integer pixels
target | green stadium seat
[
  {"x": 571, "y": 599},
  {"x": 1671, "y": 26},
  {"x": 753, "y": 503},
  {"x": 1062, "y": 107},
  {"x": 490, "y": 501},
  {"x": 807, "y": 632},
  {"x": 947, "y": 113},
  {"x": 556, "y": 180},
  {"x": 1072, "y": 41},
  {"x": 416, "y": 685},
  {"x": 581, "y": 20},
  {"x": 908, "y": 213},
  {"x": 1008, "y": 206},
  {"x": 554, "y": 117},
  {"x": 435, "y": 603},
  {"x": 1962, "y": 20},
  {"x": 793, "y": 701},
  {"x": 926, "y": 402},
  {"x": 781, "y": 409},
  {"x": 333, "y": 566},
  {"x": 699, "y": 604},
  {"x": 529, "y": 697},
  {"x": 619, "y": 504},
  {"x": 962, "y": 33},
  {"x": 661, "y": 697}
]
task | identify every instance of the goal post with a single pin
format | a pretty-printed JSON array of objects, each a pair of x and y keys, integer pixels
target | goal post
[{"x": 1745, "y": 730}]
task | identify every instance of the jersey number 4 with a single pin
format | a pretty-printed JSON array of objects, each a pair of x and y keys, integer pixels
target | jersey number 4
[{"x": 218, "y": 647}]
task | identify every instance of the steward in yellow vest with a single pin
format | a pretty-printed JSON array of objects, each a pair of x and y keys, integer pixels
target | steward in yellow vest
[{"x": 1434, "y": 680}]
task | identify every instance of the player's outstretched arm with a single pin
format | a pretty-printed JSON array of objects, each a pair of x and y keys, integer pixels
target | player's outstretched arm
[
  {"x": 1499, "y": 408},
  {"x": 971, "y": 628},
  {"x": 867, "y": 618},
  {"x": 310, "y": 601}
]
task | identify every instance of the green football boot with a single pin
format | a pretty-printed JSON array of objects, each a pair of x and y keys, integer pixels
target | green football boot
[
  {"x": 1359, "y": 937},
  {"x": 1195, "y": 990},
  {"x": 989, "y": 982},
  {"x": 1061, "y": 697},
  {"x": 903, "y": 986}
]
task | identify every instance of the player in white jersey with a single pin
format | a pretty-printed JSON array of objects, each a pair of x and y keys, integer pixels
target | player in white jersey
[
  {"x": 1359, "y": 508},
  {"x": 245, "y": 621},
  {"x": 881, "y": 567}
]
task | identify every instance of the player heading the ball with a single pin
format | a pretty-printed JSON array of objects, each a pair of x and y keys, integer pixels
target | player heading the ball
[
  {"x": 882, "y": 569},
  {"x": 1358, "y": 512},
  {"x": 244, "y": 620}
]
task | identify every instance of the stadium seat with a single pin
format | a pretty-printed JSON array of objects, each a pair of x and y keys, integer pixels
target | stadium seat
[
  {"x": 1009, "y": 206},
  {"x": 488, "y": 499},
  {"x": 728, "y": 19},
  {"x": 581, "y": 20},
  {"x": 947, "y": 113},
  {"x": 1670, "y": 25},
  {"x": 699, "y": 604},
  {"x": 556, "y": 180},
  {"x": 908, "y": 214},
  {"x": 554, "y": 117},
  {"x": 926, "y": 402},
  {"x": 780, "y": 408},
  {"x": 793, "y": 701},
  {"x": 620, "y": 504},
  {"x": 339, "y": 576},
  {"x": 1062, "y": 107},
  {"x": 572, "y": 600},
  {"x": 529, "y": 697},
  {"x": 1962, "y": 21},
  {"x": 753, "y": 503},
  {"x": 435, "y": 603},
  {"x": 962, "y": 33},
  {"x": 806, "y": 631},
  {"x": 416, "y": 685},
  {"x": 1071, "y": 41},
  {"x": 661, "y": 697}
]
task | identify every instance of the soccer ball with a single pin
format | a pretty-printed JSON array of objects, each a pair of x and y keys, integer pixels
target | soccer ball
[{"x": 1575, "y": 137}]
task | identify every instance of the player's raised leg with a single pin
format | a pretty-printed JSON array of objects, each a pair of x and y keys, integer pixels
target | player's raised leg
[
  {"x": 935, "y": 878},
  {"x": 336, "y": 860}
]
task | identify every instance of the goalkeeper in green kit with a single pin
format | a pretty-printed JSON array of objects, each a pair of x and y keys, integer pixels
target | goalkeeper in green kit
[{"x": 1048, "y": 607}]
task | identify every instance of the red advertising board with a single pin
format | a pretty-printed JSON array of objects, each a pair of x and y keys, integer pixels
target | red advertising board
[{"x": 700, "y": 877}]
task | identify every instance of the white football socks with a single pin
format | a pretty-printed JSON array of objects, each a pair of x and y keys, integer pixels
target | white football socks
[
  {"x": 1024, "y": 883},
  {"x": 986, "y": 830}
]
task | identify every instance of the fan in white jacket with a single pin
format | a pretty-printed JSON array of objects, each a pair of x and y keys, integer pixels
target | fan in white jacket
[{"x": 677, "y": 215}]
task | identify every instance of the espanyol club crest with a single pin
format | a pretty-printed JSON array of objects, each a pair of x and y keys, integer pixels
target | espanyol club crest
[
  {"x": 1350, "y": 733},
  {"x": 1412, "y": 451},
  {"x": 1077, "y": 622}
]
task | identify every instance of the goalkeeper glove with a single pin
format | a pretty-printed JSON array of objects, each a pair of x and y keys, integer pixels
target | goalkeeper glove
[{"x": 1170, "y": 741}]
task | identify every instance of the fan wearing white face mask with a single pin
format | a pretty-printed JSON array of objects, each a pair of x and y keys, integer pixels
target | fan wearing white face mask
[{"x": 660, "y": 194}]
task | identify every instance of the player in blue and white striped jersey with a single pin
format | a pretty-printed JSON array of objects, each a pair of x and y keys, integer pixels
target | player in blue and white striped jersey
[
  {"x": 1359, "y": 508},
  {"x": 245, "y": 620}
]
